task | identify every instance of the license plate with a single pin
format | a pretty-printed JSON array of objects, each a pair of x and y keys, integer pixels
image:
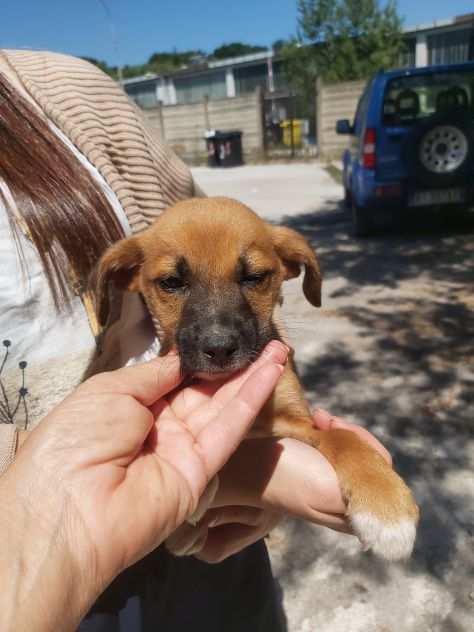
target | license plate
[{"x": 438, "y": 196}]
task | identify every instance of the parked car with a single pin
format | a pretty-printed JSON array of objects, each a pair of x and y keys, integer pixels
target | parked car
[{"x": 411, "y": 144}]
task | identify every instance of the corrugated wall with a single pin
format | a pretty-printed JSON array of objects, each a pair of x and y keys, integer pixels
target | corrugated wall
[
  {"x": 335, "y": 101},
  {"x": 183, "y": 126}
]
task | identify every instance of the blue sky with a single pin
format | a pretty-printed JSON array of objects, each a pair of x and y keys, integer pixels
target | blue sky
[{"x": 136, "y": 28}]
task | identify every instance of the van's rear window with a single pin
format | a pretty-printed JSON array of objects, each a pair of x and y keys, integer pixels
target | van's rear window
[{"x": 409, "y": 99}]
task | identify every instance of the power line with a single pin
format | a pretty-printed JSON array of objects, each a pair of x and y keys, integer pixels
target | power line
[{"x": 113, "y": 30}]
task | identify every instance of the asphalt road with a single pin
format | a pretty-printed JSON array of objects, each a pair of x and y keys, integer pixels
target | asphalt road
[{"x": 392, "y": 349}]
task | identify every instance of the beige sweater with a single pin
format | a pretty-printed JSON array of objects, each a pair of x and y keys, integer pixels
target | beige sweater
[{"x": 106, "y": 127}]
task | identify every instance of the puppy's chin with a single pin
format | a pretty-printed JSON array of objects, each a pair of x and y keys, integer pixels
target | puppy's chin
[{"x": 213, "y": 377}]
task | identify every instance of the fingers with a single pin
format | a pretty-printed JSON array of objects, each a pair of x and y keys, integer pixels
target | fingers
[
  {"x": 221, "y": 436},
  {"x": 188, "y": 539},
  {"x": 250, "y": 516},
  {"x": 325, "y": 421},
  {"x": 145, "y": 382},
  {"x": 230, "y": 538},
  {"x": 214, "y": 395},
  {"x": 275, "y": 352},
  {"x": 221, "y": 533}
]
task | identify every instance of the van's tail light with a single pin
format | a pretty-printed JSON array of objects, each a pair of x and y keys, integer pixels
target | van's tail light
[{"x": 368, "y": 148}]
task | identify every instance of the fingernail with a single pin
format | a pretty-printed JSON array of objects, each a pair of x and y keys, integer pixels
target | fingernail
[
  {"x": 321, "y": 411},
  {"x": 280, "y": 348}
]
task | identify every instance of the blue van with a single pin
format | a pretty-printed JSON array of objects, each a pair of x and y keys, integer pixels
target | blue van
[{"x": 411, "y": 144}]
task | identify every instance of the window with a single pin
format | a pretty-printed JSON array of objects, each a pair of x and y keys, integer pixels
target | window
[
  {"x": 194, "y": 89},
  {"x": 408, "y": 54},
  {"x": 452, "y": 47},
  {"x": 248, "y": 78},
  {"x": 361, "y": 112},
  {"x": 409, "y": 99},
  {"x": 143, "y": 94}
]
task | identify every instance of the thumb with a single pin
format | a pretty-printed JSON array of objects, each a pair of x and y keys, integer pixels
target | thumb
[{"x": 146, "y": 383}]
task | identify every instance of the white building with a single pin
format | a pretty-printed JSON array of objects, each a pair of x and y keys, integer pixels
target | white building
[{"x": 441, "y": 42}]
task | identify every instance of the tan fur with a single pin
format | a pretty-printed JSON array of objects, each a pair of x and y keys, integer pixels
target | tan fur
[{"x": 212, "y": 233}]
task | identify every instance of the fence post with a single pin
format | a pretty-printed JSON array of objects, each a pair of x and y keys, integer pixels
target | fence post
[
  {"x": 207, "y": 122},
  {"x": 319, "y": 116},
  {"x": 260, "y": 112},
  {"x": 161, "y": 121}
]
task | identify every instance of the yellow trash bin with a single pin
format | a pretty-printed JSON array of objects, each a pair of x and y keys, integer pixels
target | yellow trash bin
[{"x": 297, "y": 131}]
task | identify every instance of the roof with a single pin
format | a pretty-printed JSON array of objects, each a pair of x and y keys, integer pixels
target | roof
[
  {"x": 150, "y": 76},
  {"x": 458, "y": 20},
  {"x": 423, "y": 70}
]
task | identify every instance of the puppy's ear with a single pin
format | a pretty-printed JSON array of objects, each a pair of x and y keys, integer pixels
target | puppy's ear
[
  {"x": 294, "y": 251},
  {"x": 119, "y": 265}
]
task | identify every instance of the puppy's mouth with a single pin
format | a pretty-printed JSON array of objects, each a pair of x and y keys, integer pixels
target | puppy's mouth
[
  {"x": 211, "y": 372},
  {"x": 201, "y": 368},
  {"x": 213, "y": 377}
]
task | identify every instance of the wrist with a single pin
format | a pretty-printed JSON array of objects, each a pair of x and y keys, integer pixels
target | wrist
[{"x": 45, "y": 564}]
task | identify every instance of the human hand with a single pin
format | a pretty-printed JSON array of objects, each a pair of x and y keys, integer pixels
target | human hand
[
  {"x": 323, "y": 420},
  {"x": 265, "y": 478},
  {"x": 289, "y": 476},
  {"x": 126, "y": 470},
  {"x": 222, "y": 532}
]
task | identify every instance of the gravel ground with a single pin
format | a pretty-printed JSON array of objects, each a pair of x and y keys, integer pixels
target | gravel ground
[{"x": 392, "y": 349}]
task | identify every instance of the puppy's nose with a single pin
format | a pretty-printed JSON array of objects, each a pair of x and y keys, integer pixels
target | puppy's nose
[{"x": 220, "y": 349}]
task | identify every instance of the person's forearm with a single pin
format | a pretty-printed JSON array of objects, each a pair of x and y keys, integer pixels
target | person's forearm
[
  {"x": 283, "y": 475},
  {"x": 43, "y": 588}
]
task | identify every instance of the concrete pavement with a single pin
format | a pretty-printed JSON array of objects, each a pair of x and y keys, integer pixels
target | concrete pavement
[{"x": 392, "y": 349}]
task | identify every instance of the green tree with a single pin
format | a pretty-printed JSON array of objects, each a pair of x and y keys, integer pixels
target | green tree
[
  {"x": 103, "y": 65},
  {"x": 235, "y": 49},
  {"x": 163, "y": 62},
  {"x": 341, "y": 40}
]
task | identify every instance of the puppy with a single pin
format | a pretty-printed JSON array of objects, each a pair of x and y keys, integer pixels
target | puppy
[{"x": 210, "y": 272}]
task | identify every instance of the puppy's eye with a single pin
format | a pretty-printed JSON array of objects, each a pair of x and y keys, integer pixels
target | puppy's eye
[
  {"x": 171, "y": 284},
  {"x": 254, "y": 279}
]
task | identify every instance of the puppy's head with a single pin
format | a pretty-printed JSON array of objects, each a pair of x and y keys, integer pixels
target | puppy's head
[{"x": 210, "y": 272}]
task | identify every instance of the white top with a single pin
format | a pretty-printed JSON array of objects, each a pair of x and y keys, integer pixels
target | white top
[{"x": 42, "y": 351}]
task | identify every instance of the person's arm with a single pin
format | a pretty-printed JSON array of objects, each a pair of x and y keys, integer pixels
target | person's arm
[
  {"x": 264, "y": 479},
  {"x": 104, "y": 479},
  {"x": 9, "y": 441}
]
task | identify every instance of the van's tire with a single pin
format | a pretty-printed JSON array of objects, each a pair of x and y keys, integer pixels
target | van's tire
[
  {"x": 439, "y": 152},
  {"x": 361, "y": 223}
]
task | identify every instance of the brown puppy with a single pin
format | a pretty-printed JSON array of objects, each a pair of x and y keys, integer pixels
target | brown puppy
[{"x": 210, "y": 271}]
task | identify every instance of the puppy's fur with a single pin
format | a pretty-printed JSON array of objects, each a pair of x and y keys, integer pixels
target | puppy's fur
[{"x": 210, "y": 272}]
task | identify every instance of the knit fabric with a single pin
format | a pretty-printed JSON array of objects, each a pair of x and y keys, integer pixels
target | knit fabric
[
  {"x": 106, "y": 127},
  {"x": 109, "y": 130}
]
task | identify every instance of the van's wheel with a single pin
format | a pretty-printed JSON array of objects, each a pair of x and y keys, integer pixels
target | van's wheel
[
  {"x": 361, "y": 224},
  {"x": 439, "y": 152}
]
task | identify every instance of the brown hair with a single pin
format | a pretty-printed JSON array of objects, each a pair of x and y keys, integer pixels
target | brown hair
[{"x": 63, "y": 211}]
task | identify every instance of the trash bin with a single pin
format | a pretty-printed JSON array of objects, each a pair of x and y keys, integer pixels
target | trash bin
[
  {"x": 224, "y": 149},
  {"x": 297, "y": 129}
]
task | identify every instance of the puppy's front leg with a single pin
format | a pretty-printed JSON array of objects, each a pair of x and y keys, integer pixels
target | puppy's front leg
[{"x": 381, "y": 508}]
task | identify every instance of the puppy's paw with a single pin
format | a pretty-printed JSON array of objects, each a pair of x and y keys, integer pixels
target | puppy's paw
[
  {"x": 385, "y": 518},
  {"x": 390, "y": 540}
]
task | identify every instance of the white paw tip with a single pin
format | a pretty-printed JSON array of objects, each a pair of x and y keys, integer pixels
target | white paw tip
[{"x": 390, "y": 540}]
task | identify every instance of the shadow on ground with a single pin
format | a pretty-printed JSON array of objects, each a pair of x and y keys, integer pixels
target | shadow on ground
[{"x": 408, "y": 295}]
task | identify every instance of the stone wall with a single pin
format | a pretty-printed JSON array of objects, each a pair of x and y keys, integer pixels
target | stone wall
[{"x": 183, "y": 126}]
